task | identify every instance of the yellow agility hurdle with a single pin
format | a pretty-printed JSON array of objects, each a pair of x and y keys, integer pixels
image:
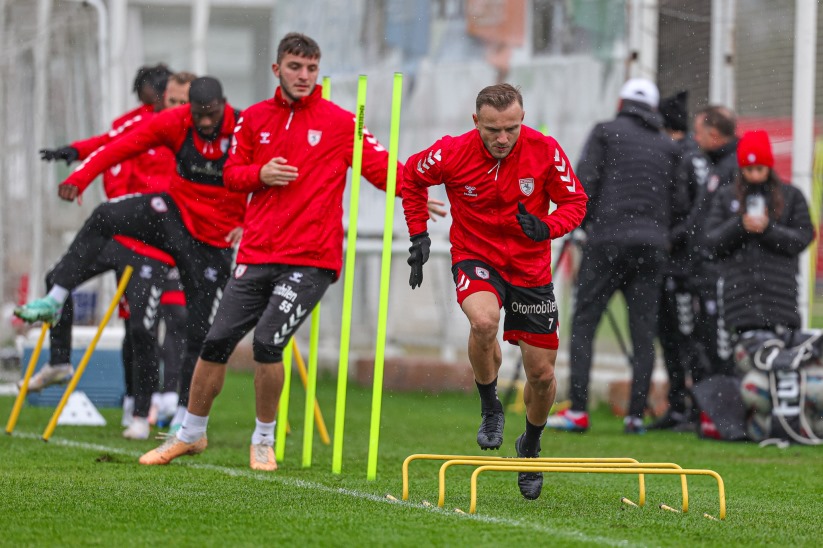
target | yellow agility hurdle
[
  {"x": 504, "y": 460},
  {"x": 24, "y": 388},
  {"x": 522, "y": 465},
  {"x": 583, "y": 470},
  {"x": 121, "y": 288}
]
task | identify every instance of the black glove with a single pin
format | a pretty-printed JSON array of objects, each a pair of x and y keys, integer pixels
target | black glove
[
  {"x": 67, "y": 154},
  {"x": 419, "y": 254},
  {"x": 532, "y": 226}
]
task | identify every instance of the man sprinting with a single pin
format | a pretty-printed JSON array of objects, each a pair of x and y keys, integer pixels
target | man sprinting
[
  {"x": 193, "y": 222},
  {"x": 500, "y": 178},
  {"x": 291, "y": 152}
]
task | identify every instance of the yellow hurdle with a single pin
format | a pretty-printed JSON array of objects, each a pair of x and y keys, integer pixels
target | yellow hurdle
[
  {"x": 503, "y": 460},
  {"x": 121, "y": 288},
  {"x": 24, "y": 389},
  {"x": 525, "y": 464},
  {"x": 602, "y": 470}
]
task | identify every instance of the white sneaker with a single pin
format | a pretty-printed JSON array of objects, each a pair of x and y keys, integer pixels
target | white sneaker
[
  {"x": 138, "y": 429},
  {"x": 48, "y": 375},
  {"x": 128, "y": 411},
  {"x": 167, "y": 407}
]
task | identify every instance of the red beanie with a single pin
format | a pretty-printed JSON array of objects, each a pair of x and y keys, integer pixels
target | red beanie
[{"x": 754, "y": 148}]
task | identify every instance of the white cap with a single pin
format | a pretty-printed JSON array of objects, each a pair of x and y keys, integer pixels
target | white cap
[{"x": 642, "y": 91}]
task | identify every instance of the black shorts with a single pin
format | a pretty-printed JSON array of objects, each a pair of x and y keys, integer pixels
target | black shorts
[
  {"x": 275, "y": 298},
  {"x": 531, "y": 312}
]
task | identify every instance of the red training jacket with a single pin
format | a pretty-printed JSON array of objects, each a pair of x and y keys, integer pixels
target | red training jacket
[
  {"x": 483, "y": 193},
  {"x": 209, "y": 211},
  {"x": 145, "y": 174},
  {"x": 300, "y": 223}
]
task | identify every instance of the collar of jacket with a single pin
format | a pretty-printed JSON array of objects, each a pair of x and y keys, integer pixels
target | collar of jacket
[
  {"x": 305, "y": 102},
  {"x": 642, "y": 112},
  {"x": 721, "y": 152}
]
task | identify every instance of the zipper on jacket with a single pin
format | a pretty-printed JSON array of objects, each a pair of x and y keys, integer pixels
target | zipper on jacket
[
  {"x": 495, "y": 167},
  {"x": 291, "y": 115}
]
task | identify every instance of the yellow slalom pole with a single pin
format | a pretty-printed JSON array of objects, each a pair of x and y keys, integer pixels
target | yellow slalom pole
[
  {"x": 283, "y": 407},
  {"x": 348, "y": 286},
  {"x": 385, "y": 272},
  {"x": 311, "y": 392},
  {"x": 24, "y": 389},
  {"x": 318, "y": 414},
  {"x": 121, "y": 288}
]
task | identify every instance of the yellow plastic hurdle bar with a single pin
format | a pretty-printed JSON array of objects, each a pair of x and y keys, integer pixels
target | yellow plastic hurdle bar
[
  {"x": 504, "y": 460},
  {"x": 524, "y": 464},
  {"x": 583, "y": 470}
]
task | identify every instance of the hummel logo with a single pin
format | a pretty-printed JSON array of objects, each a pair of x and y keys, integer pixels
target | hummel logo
[
  {"x": 264, "y": 137},
  {"x": 565, "y": 174}
]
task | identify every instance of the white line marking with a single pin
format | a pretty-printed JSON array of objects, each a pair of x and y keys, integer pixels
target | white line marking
[{"x": 310, "y": 485}]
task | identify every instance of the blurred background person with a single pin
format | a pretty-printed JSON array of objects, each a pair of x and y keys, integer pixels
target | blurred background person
[
  {"x": 678, "y": 301},
  {"x": 628, "y": 168}
]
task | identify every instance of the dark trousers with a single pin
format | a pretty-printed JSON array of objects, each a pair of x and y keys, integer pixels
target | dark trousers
[
  {"x": 140, "y": 351},
  {"x": 155, "y": 220},
  {"x": 604, "y": 270},
  {"x": 714, "y": 339},
  {"x": 679, "y": 307}
]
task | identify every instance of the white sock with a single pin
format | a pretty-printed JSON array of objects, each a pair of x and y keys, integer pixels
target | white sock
[
  {"x": 193, "y": 428},
  {"x": 58, "y": 293},
  {"x": 178, "y": 416},
  {"x": 263, "y": 433}
]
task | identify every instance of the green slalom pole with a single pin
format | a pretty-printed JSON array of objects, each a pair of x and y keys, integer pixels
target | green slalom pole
[
  {"x": 385, "y": 272},
  {"x": 283, "y": 411},
  {"x": 348, "y": 286},
  {"x": 311, "y": 387}
]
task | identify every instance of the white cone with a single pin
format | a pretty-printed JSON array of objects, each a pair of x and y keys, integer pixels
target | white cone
[{"x": 79, "y": 411}]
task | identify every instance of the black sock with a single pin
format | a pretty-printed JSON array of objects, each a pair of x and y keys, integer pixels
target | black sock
[
  {"x": 531, "y": 441},
  {"x": 488, "y": 397}
]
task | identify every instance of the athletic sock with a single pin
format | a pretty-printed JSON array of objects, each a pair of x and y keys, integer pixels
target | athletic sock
[
  {"x": 179, "y": 415},
  {"x": 193, "y": 428},
  {"x": 488, "y": 397},
  {"x": 531, "y": 441},
  {"x": 263, "y": 433},
  {"x": 58, "y": 293}
]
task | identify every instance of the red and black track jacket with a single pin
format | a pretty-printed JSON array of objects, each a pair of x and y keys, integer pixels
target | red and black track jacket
[
  {"x": 483, "y": 193},
  {"x": 147, "y": 173},
  {"x": 208, "y": 209},
  {"x": 300, "y": 223}
]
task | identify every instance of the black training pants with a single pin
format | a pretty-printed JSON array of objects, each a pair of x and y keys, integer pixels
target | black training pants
[
  {"x": 155, "y": 219},
  {"x": 635, "y": 270}
]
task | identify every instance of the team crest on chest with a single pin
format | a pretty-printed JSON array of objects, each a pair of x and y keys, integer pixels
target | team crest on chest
[
  {"x": 527, "y": 186},
  {"x": 314, "y": 137}
]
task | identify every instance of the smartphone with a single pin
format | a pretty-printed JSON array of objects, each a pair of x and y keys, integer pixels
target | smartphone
[{"x": 756, "y": 205}]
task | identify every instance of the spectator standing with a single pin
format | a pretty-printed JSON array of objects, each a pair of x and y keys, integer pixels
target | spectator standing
[
  {"x": 628, "y": 167},
  {"x": 679, "y": 302}
]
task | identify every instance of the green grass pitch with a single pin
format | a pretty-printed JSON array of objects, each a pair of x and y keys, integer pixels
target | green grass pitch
[{"x": 84, "y": 487}]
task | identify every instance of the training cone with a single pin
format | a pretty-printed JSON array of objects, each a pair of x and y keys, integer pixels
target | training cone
[{"x": 79, "y": 411}]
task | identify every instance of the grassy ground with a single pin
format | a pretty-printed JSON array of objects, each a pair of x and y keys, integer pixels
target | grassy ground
[{"x": 85, "y": 487}]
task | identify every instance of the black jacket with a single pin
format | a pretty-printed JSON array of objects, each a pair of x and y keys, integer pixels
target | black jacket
[
  {"x": 722, "y": 173},
  {"x": 692, "y": 177},
  {"x": 628, "y": 170},
  {"x": 759, "y": 271}
]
